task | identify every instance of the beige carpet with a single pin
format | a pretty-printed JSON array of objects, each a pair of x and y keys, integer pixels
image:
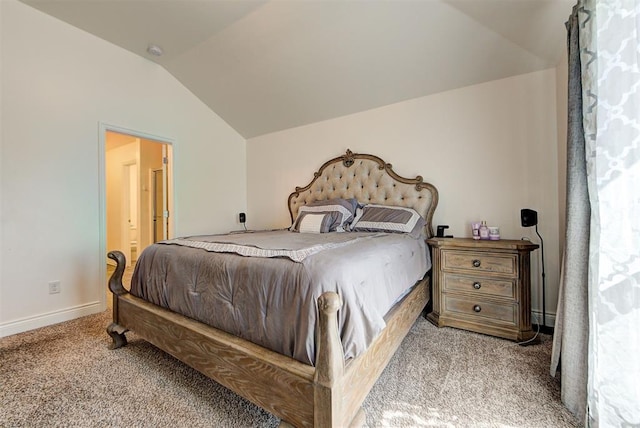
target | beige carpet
[{"x": 65, "y": 376}]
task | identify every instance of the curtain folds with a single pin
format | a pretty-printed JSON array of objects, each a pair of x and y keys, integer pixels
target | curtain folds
[
  {"x": 598, "y": 315},
  {"x": 572, "y": 314}
]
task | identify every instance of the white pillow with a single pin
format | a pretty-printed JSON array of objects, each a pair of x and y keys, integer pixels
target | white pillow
[
  {"x": 341, "y": 213},
  {"x": 314, "y": 223}
]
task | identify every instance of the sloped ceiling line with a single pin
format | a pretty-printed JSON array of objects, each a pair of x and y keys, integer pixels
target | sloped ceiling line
[{"x": 265, "y": 66}]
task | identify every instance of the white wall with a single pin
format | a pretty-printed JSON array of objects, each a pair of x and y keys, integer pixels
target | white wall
[
  {"x": 490, "y": 149},
  {"x": 58, "y": 84}
]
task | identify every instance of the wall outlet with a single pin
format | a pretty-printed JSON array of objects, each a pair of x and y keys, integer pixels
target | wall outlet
[
  {"x": 54, "y": 287},
  {"x": 242, "y": 217}
]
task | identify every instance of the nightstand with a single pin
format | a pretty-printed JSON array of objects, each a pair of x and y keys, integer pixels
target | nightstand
[{"x": 482, "y": 286}]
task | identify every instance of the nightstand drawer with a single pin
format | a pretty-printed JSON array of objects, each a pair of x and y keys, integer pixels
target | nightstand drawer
[
  {"x": 480, "y": 309},
  {"x": 479, "y": 285},
  {"x": 479, "y": 262}
]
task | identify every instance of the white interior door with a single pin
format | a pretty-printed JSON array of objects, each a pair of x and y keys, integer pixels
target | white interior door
[
  {"x": 128, "y": 209},
  {"x": 159, "y": 233}
]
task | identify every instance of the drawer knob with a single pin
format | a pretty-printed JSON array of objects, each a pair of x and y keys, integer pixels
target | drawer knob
[
  {"x": 476, "y": 263},
  {"x": 477, "y": 308},
  {"x": 477, "y": 285}
]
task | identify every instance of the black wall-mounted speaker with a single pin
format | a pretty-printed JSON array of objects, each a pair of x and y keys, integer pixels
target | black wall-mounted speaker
[{"x": 528, "y": 217}]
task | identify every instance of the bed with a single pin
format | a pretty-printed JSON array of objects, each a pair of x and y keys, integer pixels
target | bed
[{"x": 323, "y": 380}]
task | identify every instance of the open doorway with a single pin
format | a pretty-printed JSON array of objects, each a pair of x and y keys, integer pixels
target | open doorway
[{"x": 137, "y": 195}]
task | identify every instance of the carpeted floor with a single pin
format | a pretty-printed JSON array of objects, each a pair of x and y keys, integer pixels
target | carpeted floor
[{"x": 65, "y": 376}]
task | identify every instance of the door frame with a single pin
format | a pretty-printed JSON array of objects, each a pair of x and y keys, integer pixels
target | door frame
[{"x": 102, "y": 194}]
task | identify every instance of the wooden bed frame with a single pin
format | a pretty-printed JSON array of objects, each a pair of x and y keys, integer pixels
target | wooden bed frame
[{"x": 331, "y": 393}]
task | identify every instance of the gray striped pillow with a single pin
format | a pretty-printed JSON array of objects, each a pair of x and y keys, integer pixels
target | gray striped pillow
[{"x": 385, "y": 218}]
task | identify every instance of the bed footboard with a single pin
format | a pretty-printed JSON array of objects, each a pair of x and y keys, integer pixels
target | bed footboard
[{"x": 299, "y": 394}]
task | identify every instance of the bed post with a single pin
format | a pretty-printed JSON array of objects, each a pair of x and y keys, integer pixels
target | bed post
[
  {"x": 329, "y": 365},
  {"x": 115, "y": 285}
]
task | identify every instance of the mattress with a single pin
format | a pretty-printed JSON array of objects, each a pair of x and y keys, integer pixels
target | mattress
[{"x": 269, "y": 298}]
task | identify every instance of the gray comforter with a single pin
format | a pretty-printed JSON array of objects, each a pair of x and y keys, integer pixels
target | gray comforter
[{"x": 271, "y": 300}]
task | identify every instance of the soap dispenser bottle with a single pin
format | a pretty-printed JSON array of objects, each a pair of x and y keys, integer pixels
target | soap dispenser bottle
[{"x": 484, "y": 230}]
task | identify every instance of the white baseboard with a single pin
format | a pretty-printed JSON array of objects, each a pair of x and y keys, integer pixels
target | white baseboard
[
  {"x": 536, "y": 318},
  {"x": 25, "y": 324}
]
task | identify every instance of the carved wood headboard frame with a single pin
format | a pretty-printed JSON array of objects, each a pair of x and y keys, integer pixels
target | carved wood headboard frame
[{"x": 370, "y": 180}]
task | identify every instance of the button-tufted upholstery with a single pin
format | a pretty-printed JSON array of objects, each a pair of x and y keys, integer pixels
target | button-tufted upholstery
[{"x": 371, "y": 181}]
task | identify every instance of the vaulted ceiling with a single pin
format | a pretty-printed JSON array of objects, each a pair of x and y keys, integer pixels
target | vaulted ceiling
[{"x": 265, "y": 66}]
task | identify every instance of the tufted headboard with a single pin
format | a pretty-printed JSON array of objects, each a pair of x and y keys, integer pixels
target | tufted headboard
[{"x": 370, "y": 180}]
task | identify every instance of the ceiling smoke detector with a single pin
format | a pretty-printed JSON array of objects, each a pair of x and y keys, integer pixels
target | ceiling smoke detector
[{"x": 155, "y": 50}]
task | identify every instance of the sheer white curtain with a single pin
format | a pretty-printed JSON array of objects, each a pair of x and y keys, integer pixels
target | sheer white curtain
[
  {"x": 612, "y": 134},
  {"x": 610, "y": 78}
]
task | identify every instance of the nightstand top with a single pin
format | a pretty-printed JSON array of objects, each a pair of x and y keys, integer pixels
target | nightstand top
[{"x": 505, "y": 244}]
